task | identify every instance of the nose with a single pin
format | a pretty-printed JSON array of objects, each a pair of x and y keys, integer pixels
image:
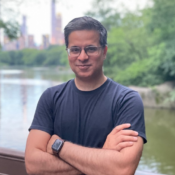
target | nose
[{"x": 83, "y": 56}]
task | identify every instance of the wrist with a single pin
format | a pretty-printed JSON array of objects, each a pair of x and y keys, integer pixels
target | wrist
[
  {"x": 65, "y": 149},
  {"x": 57, "y": 146}
]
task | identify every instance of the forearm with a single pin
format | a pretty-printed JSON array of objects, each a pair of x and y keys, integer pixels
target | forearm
[
  {"x": 92, "y": 161},
  {"x": 43, "y": 163}
]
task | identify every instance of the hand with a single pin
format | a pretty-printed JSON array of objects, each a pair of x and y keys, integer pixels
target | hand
[
  {"x": 50, "y": 143},
  {"x": 119, "y": 138}
]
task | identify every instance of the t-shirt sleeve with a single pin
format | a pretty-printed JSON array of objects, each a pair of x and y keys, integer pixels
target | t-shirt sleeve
[
  {"x": 43, "y": 118},
  {"x": 130, "y": 110}
]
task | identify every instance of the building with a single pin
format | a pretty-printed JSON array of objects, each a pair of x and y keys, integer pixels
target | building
[
  {"x": 56, "y": 25},
  {"x": 24, "y": 40},
  {"x": 59, "y": 35},
  {"x": 23, "y": 28},
  {"x": 31, "y": 42},
  {"x": 21, "y": 43},
  {"x": 45, "y": 41},
  {"x": 23, "y": 31},
  {"x": 9, "y": 45}
]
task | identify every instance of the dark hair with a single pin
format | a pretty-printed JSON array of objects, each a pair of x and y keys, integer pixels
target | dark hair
[{"x": 86, "y": 23}]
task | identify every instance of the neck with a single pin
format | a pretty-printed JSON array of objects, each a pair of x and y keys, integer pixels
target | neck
[{"x": 89, "y": 84}]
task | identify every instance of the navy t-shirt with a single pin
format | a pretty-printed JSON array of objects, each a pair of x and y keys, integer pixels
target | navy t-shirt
[{"x": 87, "y": 117}]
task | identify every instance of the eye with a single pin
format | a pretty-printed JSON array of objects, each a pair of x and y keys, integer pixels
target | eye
[
  {"x": 91, "y": 49},
  {"x": 75, "y": 49}
]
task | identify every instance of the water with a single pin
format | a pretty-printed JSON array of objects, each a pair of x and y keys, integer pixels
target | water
[
  {"x": 159, "y": 152},
  {"x": 19, "y": 94}
]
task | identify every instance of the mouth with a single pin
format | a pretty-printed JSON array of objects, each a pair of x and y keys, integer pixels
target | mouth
[{"x": 83, "y": 66}]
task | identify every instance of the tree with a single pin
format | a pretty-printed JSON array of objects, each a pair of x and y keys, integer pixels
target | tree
[
  {"x": 141, "y": 44},
  {"x": 4, "y": 58},
  {"x": 162, "y": 25},
  {"x": 106, "y": 13},
  {"x": 56, "y": 56},
  {"x": 11, "y": 27}
]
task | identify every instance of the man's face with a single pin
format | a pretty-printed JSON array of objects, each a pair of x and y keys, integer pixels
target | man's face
[{"x": 84, "y": 66}]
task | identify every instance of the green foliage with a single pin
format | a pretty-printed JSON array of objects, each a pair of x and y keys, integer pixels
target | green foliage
[
  {"x": 171, "y": 97},
  {"x": 162, "y": 25},
  {"x": 162, "y": 19},
  {"x": 31, "y": 57},
  {"x": 15, "y": 58},
  {"x": 4, "y": 58},
  {"x": 105, "y": 13},
  {"x": 141, "y": 44},
  {"x": 56, "y": 56},
  {"x": 11, "y": 28}
]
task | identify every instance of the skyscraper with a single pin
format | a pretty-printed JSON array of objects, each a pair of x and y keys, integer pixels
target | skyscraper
[
  {"x": 24, "y": 26},
  {"x": 45, "y": 39},
  {"x": 56, "y": 22},
  {"x": 23, "y": 31},
  {"x": 22, "y": 42},
  {"x": 53, "y": 21},
  {"x": 31, "y": 42}
]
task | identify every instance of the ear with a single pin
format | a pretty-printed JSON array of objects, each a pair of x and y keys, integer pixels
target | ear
[{"x": 105, "y": 51}]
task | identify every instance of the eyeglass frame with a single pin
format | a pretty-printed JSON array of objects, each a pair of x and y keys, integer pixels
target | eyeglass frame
[{"x": 68, "y": 49}]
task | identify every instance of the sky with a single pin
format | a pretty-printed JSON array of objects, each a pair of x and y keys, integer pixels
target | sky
[{"x": 39, "y": 14}]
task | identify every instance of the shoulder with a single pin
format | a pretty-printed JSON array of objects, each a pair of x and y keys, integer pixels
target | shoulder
[
  {"x": 123, "y": 97},
  {"x": 58, "y": 88},
  {"x": 61, "y": 86},
  {"x": 53, "y": 93},
  {"x": 121, "y": 91}
]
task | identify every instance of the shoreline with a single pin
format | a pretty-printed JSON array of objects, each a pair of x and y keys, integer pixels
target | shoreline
[{"x": 157, "y": 96}]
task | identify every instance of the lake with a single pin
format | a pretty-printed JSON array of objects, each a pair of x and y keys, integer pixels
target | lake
[{"x": 20, "y": 90}]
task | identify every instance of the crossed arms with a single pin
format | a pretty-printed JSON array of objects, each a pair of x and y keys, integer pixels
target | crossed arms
[{"x": 120, "y": 155}]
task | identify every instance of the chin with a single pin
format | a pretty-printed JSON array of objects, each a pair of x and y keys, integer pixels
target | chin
[{"x": 84, "y": 76}]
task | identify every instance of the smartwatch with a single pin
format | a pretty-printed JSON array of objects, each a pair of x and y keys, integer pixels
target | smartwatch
[{"x": 56, "y": 147}]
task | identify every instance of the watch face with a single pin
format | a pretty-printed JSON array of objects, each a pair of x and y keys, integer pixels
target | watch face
[{"x": 57, "y": 145}]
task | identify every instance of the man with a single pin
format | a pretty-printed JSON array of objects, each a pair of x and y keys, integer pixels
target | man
[{"x": 82, "y": 126}]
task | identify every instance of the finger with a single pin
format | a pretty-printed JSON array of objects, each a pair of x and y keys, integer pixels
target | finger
[
  {"x": 127, "y": 138},
  {"x": 122, "y": 145},
  {"x": 128, "y": 132},
  {"x": 120, "y": 127}
]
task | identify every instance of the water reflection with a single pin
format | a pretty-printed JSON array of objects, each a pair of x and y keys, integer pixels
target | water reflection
[
  {"x": 18, "y": 100},
  {"x": 17, "y": 109},
  {"x": 159, "y": 152}
]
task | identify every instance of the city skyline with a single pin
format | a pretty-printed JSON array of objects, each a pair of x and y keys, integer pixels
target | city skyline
[
  {"x": 39, "y": 20},
  {"x": 26, "y": 40}
]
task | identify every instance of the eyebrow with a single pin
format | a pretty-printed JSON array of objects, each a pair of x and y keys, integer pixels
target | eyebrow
[{"x": 84, "y": 47}]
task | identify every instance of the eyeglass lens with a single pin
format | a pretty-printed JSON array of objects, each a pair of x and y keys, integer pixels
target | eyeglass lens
[{"x": 91, "y": 50}]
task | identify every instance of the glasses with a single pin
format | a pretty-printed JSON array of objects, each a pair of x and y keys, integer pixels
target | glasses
[{"x": 76, "y": 51}]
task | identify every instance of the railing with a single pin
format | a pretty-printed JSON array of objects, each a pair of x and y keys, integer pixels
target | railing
[{"x": 12, "y": 163}]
